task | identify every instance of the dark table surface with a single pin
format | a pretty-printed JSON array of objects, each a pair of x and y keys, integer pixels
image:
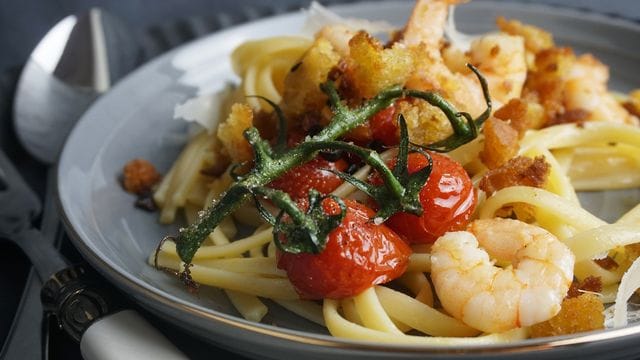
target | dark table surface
[{"x": 154, "y": 23}]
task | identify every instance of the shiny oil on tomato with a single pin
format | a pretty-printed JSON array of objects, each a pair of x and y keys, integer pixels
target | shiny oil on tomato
[
  {"x": 448, "y": 200},
  {"x": 312, "y": 175},
  {"x": 358, "y": 255}
]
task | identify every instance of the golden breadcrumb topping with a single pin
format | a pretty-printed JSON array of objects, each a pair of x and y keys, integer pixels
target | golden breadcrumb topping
[
  {"x": 578, "y": 314},
  {"x": 139, "y": 176}
]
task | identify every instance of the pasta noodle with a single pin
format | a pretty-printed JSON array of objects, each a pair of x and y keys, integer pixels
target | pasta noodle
[
  {"x": 420, "y": 316},
  {"x": 175, "y": 187},
  {"x": 581, "y": 156},
  {"x": 264, "y": 64},
  {"x": 372, "y": 314},
  {"x": 564, "y": 211},
  {"x": 306, "y": 309},
  {"x": 269, "y": 287},
  {"x": 339, "y": 326},
  {"x": 250, "y": 307},
  {"x": 588, "y": 244}
]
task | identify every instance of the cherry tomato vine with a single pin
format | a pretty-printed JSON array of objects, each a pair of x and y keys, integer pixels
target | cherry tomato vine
[{"x": 307, "y": 230}]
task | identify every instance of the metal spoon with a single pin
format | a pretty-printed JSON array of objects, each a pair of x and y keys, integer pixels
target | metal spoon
[{"x": 77, "y": 60}]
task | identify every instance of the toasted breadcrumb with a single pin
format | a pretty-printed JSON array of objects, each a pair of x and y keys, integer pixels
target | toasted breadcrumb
[
  {"x": 590, "y": 283},
  {"x": 626, "y": 256},
  {"x": 576, "y": 116},
  {"x": 139, "y": 176},
  {"x": 633, "y": 103},
  {"x": 573, "y": 89},
  {"x": 632, "y": 251},
  {"x": 302, "y": 84},
  {"x": 230, "y": 133},
  {"x": 517, "y": 171},
  {"x": 548, "y": 79},
  {"x": 372, "y": 68},
  {"x": 426, "y": 123},
  {"x": 500, "y": 143},
  {"x": 578, "y": 314},
  {"x": 522, "y": 115},
  {"x": 607, "y": 263},
  {"x": 535, "y": 39}
]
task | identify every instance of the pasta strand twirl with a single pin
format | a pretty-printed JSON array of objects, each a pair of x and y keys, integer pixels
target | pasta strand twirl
[
  {"x": 564, "y": 210},
  {"x": 372, "y": 314},
  {"x": 421, "y": 316},
  {"x": 339, "y": 326},
  {"x": 590, "y": 243},
  {"x": 275, "y": 288},
  {"x": 235, "y": 248}
]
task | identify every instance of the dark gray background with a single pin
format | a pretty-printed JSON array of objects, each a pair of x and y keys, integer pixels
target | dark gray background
[{"x": 24, "y": 22}]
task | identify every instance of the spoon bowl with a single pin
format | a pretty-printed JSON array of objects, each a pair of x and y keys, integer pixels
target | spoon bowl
[{"x": 76, "y": 61}]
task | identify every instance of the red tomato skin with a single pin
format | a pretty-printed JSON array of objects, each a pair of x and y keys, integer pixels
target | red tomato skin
[
  {"x": 358, "y": 255},
  {"x": 298, "y": 181},
  {"x": 448, "y": 200},
  {"x": 384, "y": 126}
]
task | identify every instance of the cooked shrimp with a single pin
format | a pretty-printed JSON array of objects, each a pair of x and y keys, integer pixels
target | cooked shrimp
[
  {"x": 535, "y": 38},
  {"x": 417, "y": 60},
  {"x": 493, "y": 299},
  {"x": 574, "y": 88},
  {"x": 426, "y": 23},
  {"x": 424, "y": 33},
  {"x": 500, "y": 57},
  {"x": 338, "y": 35},
  {"x": 586, "y": 89}
]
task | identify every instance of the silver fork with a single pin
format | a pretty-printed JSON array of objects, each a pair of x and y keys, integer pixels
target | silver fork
[
  {"x": 20, "y": 207},
  {"x": 26, "y": 328},
  {"x": 72, "y": 294}
]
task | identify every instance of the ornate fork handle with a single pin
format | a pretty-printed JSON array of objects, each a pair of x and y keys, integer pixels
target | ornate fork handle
[{"x": 76, "y": 298}]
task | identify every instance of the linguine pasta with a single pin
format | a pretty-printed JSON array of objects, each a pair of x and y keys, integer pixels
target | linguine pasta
[{"x": 585, "y": 155}]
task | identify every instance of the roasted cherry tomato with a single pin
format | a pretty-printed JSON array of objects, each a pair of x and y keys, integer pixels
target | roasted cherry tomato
[
  {"x": 381, "y": 127},
  {"x": 358, "y": 254},
  {"x": 298, "y": 181},
  {"x": 384, "y": 126},
  {"x": 448, "y": 200}
]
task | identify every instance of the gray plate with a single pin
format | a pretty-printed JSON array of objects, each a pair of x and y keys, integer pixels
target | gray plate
[{"x": 135, "y": 120}]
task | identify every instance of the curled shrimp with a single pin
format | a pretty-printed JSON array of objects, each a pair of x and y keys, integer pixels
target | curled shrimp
[
  {"x": 493, "y": 299},
  {"x": 574, "y": 88},
  {"x": 500, "y": 57},
  {"x": 424, "y": 32},
  {"x": 586, "y": 89}
]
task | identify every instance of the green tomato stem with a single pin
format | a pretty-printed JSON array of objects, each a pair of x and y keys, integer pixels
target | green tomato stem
[{"x": 270, "y": 164}]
